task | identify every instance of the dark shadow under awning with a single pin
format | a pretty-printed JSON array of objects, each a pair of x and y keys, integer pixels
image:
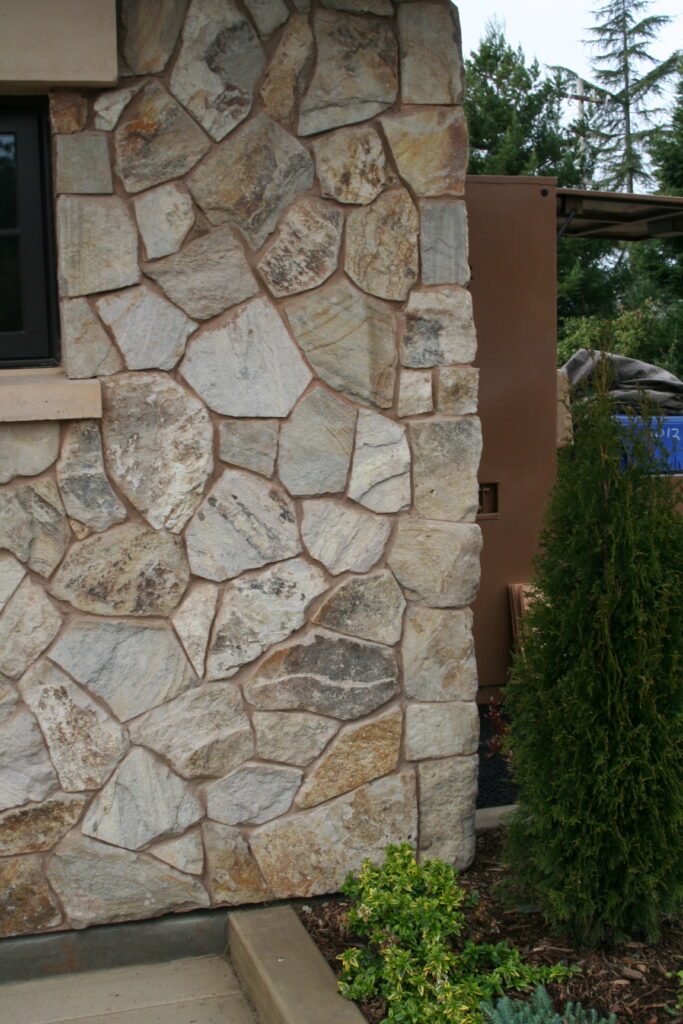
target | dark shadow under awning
[{"x": 619, "y": 216}]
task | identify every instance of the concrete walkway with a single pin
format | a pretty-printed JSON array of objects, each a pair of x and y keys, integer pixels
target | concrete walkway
[{"x": 201, "y": 990}]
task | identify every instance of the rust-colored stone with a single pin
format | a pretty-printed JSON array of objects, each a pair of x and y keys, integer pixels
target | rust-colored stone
[{"x": 26, "y": 903}]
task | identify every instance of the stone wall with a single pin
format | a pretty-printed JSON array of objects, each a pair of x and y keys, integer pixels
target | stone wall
[{"x": 235, "y": 647}]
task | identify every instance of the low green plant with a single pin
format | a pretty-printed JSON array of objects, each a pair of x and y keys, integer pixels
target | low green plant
[
  {"x": 679, "y": 997},
  {"x": 540, "y": 1010},
  {"x": 417, "y": 957}
]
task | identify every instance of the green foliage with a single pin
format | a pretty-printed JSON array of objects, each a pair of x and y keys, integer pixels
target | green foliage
[
  {"x": 540, "y": 1010},
  {"x": 679, "y": 999},
  {"x": 596, "y": 695},
  {"x": 416, "y": 956}
]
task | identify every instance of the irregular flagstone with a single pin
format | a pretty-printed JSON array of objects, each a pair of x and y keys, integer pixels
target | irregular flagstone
[
  {"x": 443, "y": 242},
  {"x": 344, "y": 539},
  {"x": 438, "y": 655},
  {"x": 348, "y": 338},
  {"x": 205, "y": 732},
  {"x": 26, "y": 772},
  {"x": 219, "y": 64},
  {"x": 359, "y": 753},
  {"x": 382, "y": 7},
  {"x": 381, "y": 245},
  {"x": 260, "y": 610},
  {"x": 252, "y": 177},
  {"x": 28, "y": 625},
  {"x": 429, "y": 36},
  {"x": 156, "y": 140},
  {"x": 33, "y": 525},
  {"x": 149, "y": 33},
  {"x": 39, "y": 826},
  {"x": 26, "y": 903},
  {"x": 99, "y": 884},
  {"x": 316, "y": 444},
  {"x": 164, "y": 216},
  {"x": 68, "y": 111},
  {"x": 430, "y": 149},
  {"x": 85, "y": 742},
  {"x": 11, "y": 575},
  {"x": 312, "y": 852},
  {"x": 286, "y": 78},
  {"x": 233, "y": 874},
  {"x": 133, "y": 666},
  {"x": 86, "y": 492},
  {"x": 380, "y": 475},
  {"x": 306, "y": 250},
  {"x": 109, "y": 106},
  {"x": 296, "y": 737},
  {"x": 250, "y": 444},
  {"x": 129, "y": 570},
  {"x": 457, "y": 390},
  {"x": 327, "y": 674},
  {"x": 243, "y": 523},
  {"x": 207, "y": 276},
  {"x": 150, "y": 331},
  {"x": 371, "y": 608},
  {"x": 98, "y": 245},
  {"x": 82, "y": 163},
  {"x": 437, "y": 563},
  {"x": 415, "y": 393},
  {"x": 351, "y": 165},
  {"x": 446, "y": 457},
  {"x": 8, "y": 697},
  {"x": 185, "y": 853},
  {"x": 356, "y": 72},
  {"x": 142, "y": 801},
  {"x": 193, "y": 620},
  {"x": 159, "y": 446},
  {"x": 448, "y": 794},
  {"x": 26, "y": 449},
  {"x": 253, "y": 794},
  {"x": 439, "y": 328},
  {"x": 86, "y": 346},
  {"x": 268, "y": 14},
  {"x": 443, "y": 729}
]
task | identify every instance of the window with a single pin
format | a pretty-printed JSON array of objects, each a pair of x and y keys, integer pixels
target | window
[{"x": 28, "y": 308}]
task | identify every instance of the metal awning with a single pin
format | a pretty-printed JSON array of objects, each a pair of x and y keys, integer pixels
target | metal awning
[{"x": 617, "y": 215}]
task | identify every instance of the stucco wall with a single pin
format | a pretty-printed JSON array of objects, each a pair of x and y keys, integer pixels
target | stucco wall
[{"x": 235, "y": 641}]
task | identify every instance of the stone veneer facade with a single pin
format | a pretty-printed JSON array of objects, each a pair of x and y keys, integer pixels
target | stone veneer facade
[{"x": 235, "y": 643}]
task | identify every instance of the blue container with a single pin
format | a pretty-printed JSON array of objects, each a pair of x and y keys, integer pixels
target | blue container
[{"x": 670, "y": 429}]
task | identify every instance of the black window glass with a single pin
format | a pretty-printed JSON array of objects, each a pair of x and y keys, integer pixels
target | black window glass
[
  {"x": 8, "y": 180},
  {"x": 10, "y": 285}
]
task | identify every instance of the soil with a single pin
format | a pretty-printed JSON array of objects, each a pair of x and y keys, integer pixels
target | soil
[{"x": 629, "y": 980}]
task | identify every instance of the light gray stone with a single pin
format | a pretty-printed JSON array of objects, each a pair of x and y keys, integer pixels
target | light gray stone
[
  {"x": 27, "y": 449},
  {"x": 343, "y": 538},
  {"x": 316, "y": 445},
  {"x": 444, "y": 242},
  {"x": 28, "y": 625},
  {"x": 83, "y": 163},
  {"x": 457, "y": 390},
  {"x": 381, "y": 245},
  {"x": 219, "y": 64},
  {"x": 33, "y": 524},
  {"x": 11, "y": 575},
  {"x": 150, "y": 331},
  {"x": 185, "y": 853},
  {"x": 149, "y": 33},
  {"x": 306, "y": 250},
  {"x": 159, "y": 446},
  {"x": 252, "y": 177},
  {"x": 26, "y": 772},
  {"x": 348, "y": 338},
  {"x": 446, "y": 457},
  {"x": 351, "y": 165},
  {"x": 444, "y": 729},
  {"x": 327, "y": 674},
  {"x": 438, "y": 655},
  {"x": 415, "y": 393},
  {"x": 38, "y": 826},
  {"x": 381, "y": 7},
  {"x": 85, "y": 743},
  {"x": 250, "y": 444},
  {"x": 356, "y": 73},
  {"x": 295, "y": 737},
  {"x": 86, "y": 346},
  {"x": 109, "y": 106},
  {"x": 83, "y": 484},
  {"x": 142, "y": 801},
  {"x": 26, "y": 903},
  {"x": 100, "y": 884},
  {"x": 429, "y": 36},
  {"x": 164, "y": 216},
  {"x": 156, "y": 140},
  {"x": 133, "y": 666},
  {"x": 204, "y": 732},
  {"x": 260, "y": 610},
  {"x": 233, "y": 874},
  {"x": 448, "y": 793},
  {"x": 371, "y": 608},
  {"x": 98, "y": 244},
  {"x": 246, "y": 364},
  {"x": 253, "y": 794},
  {"x": 312, "y": 852},
  {"x": 129, "y": 570},
  {"x": 284, "y": 82},
  {"x": 207, "y": 276},
  {"x": 430, "y": 149},
  {"x": 437, "y": 563},
  {"x": 8, "y": 697},
  {"x": 268, "y": 14},
  {"x": 193, "y": 620},
  {"x": 438, "y": 328},
  {"x": 380, "y": 475}
]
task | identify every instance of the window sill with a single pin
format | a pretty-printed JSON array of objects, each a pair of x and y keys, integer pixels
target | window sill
[{"x": 47, "y": 394}]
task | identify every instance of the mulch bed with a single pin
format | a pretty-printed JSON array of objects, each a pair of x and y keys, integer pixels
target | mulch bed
[{"x": 629, "y": 980}]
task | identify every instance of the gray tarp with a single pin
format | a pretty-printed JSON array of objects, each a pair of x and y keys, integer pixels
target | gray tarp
[{"x": 632, "y": 381}]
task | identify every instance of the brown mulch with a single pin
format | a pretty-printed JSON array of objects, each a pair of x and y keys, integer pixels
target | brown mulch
[{"x": 629, "y": 980}]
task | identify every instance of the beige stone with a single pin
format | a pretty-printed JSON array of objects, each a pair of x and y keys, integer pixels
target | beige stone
[
  {"x": 268, "y": 14},
  {"x": 86, "y": 346},
  {"x": 446, "y": 457},
  {"x": 164, "y": 216},
  {"x": 12, "y": 573},
  {"x": 439, "y": 328},
  {"x": 438, "y": 655},
  {"x": 39, "y": 826},
  {"x": 251, "y": 444},
  {"x": 457, "y": 389},
  {"x": 448, "y": 793},
  {"x": 26, "y": 772},
  {"x": 306, "y": 250},
  {"x": 295, "y": 737},
  {"x": 109, "y": 106},
  {"x": 437, "y": 563},
  {"x": 33, "y": 524},
  {"x": 370, "y": 607},
  {"x": 86, "y": 492},
  {"x": 351, "y": 165},
  {"x": 343, "y": 538},
  {"x": 253, "y": 794},
  {"x": 233, "y": 876},
  {"x": 27, "y": 448},
  {"x": 380, "y": 7},
  {"x": 429, "y": 36},
  {"x": 381, "y": 245},
  {"x": 149, "y": 331},
  {"x": 26, "y": 903},
  {"x": 443, "y": 729},
  {"x": 430, "y": 149},
  {"x": 68, "y": 111},
  {"x": 286, "y": 78},
  {"x": 415, "y": 393},
  {"x": 149, "y": 33},
  {"x": 444, "y": 253},
  {"x": 380, "y": 475},
  {"x": 185, "y": 853},
  {"x": 192, "y": 622},
  {"x": 316, "y": 445},
  {"x": 98, "y": 244},
  {"x": 28, "y": 625},
  {"x": 83, "y": 163}
]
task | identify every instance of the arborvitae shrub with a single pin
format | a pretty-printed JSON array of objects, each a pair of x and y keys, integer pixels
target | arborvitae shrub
[
  {"x": 596, "y": 695},
  {"x": 540, "y": 1010}
]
